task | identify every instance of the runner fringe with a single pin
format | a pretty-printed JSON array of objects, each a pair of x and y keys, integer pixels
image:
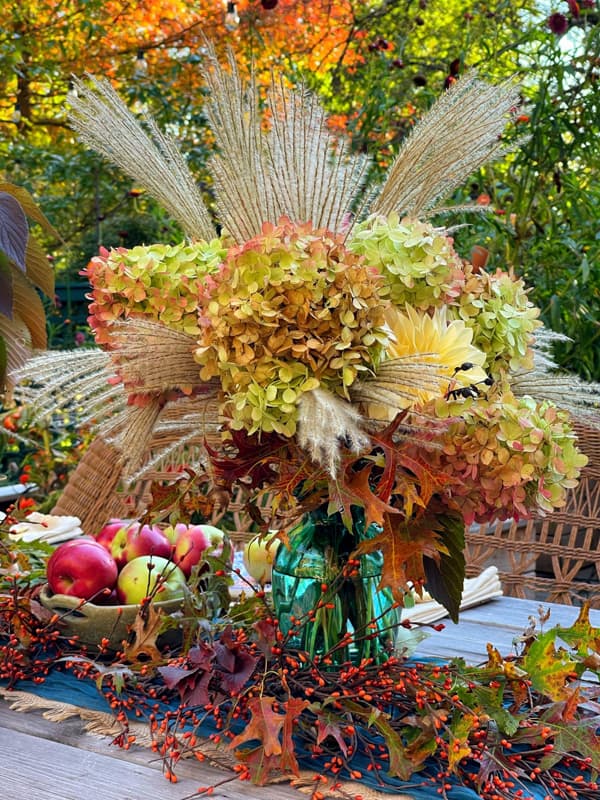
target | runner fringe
[{"x": 103, "y": 724}]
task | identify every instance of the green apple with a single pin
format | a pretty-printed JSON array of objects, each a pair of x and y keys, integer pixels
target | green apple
[
  {"x": 140, "y": 576},
  {"x": 259, "y": 555}
]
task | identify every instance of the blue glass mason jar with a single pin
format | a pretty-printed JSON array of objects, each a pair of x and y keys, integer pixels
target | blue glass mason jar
[{"x": 327, "y": 605}]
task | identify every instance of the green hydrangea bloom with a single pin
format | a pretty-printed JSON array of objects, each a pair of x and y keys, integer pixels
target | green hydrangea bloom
[
  {"x": 498, "y": 310},
  {"x": 418, "y": 262}
]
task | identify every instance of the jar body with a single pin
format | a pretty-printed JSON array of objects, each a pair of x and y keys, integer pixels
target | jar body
[{"x": 328, "y": 603}]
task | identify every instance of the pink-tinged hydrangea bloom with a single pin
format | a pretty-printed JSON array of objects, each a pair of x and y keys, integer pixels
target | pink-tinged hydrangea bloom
[
  {"x": 507, "y": 457},
  {"x": 293, "y": 310},
  {"x": 163, "y": 283}
]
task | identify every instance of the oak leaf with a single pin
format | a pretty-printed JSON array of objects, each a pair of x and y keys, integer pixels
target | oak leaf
[
  {"x": 264, "y": 726},
  {"x": 144, "y": 633},
  {"x": 403, "y": 547},
  {"x": 549, "y": 669}
]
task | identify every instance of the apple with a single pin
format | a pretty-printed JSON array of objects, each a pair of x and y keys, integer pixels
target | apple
[
  {"x": 139, "y": 577},
  {"x": 195, "y": 543},
  {"x": 134, "y": 541},
  {"x": 108, "y": 598},
  {"x": 173, "y": 532},
  {"x": 81, "y": 568},
  {"x": 109, "y": 531},
  {"x": 259, "y": 555}
]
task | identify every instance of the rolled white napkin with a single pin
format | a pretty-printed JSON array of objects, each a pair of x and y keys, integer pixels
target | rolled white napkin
[
  {"x": 47, "y": 528},
  {"x": 477, "y": 590}
]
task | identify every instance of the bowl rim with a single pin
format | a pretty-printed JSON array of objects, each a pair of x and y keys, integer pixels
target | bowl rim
[{"x": 72, "y": 603}]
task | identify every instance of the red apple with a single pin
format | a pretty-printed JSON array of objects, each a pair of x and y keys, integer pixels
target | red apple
[
  {"x": 81, "y": 568},
  {"x": 135, "y": 541},
  {"x": 195, "y": 543},
  {"x": 139, "y": 577},
  {"x": 109, "y": 531}
]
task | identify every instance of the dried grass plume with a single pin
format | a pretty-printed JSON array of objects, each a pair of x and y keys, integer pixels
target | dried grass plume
[{"x": 325, "y": 422}]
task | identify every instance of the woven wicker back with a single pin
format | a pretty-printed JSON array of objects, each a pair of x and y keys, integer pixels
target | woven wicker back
[
  {"x": 555, "y": 558},
  {"x": 95, "y": 495},
  {"x": 91, "y": 493}
]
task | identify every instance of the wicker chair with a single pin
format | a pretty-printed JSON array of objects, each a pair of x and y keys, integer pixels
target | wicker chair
[{"x": 554, "y": 558}]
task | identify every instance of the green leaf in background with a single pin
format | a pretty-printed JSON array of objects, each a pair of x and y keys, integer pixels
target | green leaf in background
[{"x": 14, "y": 230}]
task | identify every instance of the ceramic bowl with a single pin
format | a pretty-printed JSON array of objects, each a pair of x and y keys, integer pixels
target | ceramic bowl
[{"x": 91, "y": 623}]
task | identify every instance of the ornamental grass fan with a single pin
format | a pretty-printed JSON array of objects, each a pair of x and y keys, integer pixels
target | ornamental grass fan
[{"x": 319, "y": 341}]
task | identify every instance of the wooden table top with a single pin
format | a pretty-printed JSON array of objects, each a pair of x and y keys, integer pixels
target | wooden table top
[{"x": 43, "y": 760}]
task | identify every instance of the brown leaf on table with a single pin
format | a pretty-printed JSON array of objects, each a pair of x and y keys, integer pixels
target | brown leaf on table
[
  {"x": 293, "y": 708},
  {"x": 263, "y": 768},
  {"x": 145, "y": 630},
  {"x": 273, "y": 756}
]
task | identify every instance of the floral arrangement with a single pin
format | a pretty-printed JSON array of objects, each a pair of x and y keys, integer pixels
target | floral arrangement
[{"x": 338, "y": 358}]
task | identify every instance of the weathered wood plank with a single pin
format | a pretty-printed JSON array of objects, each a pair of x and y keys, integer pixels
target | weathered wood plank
[
  {"x": 498, "y": 622},
  {"x": 38, "y": 769},
  {"x": 30, "y": 740}
]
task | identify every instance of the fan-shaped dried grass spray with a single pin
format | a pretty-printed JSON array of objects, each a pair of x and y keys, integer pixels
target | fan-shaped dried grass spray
[{"x": 151, "y": 158}]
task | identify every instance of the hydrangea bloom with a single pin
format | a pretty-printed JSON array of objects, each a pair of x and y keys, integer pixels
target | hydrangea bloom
[
  {"x": 503, "y": 319},
  {"x": 507, "y": 456},
  {"x": 293, "y": 310},
  {"x": 418, "y": 262},
  {"x": 162, "y": 282}
]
